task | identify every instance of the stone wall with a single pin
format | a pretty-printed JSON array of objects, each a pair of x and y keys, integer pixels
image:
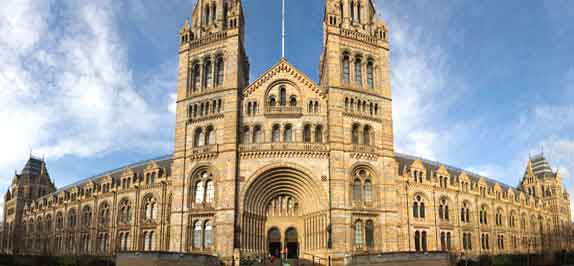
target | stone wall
[{"x": 164, "y": 259}]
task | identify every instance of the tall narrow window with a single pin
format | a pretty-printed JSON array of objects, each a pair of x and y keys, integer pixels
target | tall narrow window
[
  {"x": 220, "y": 68},
  {"x": 206, "y": 17},
  {"x": 357, "y": 191},
  {"x": 213, "y": 13},
  {"x": 282, "y": 96},
  {"x": 358, "y": 234},
  {"x": 293, "y": 101},
  {"x": 424, "y": 241},
  {"x": 355, "y": 134},
  {"x": 288, "y": 134},
  {"x": 367, "y": 135},
  {"x": 209, "y": 191},
  {"x": 307, "y": 134},
  {"x": 370, "y": 75},
  {"x": 208, "y": 235},
  {"x": 319, "y": 134},
  {"x": 358, "y": 71},
  {"x": 210, "y": 136},
  {"x": 257, "y": 134},
  {"x": 352, "y": 7},
  {"x": 246, "y": 135},
  {"x": 207, "y": 74},
  {"x": 199, "y": 192},
  {"x": 197, "y": 235},
  {"x": 368, "y": 191},
  {"x": 198, "y": 138},
  {"x": 370, "y": 234},
  {"x": 417, "y": 241},
  {"x": 275, "y": 134},
  {"x": 225, "y": 8},
  {"x": 346, "y": 68}
]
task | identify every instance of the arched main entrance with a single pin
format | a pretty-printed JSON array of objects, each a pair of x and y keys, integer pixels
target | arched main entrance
[
  {"x": 292, "y": 243},
  {"x": 274, "y": 242},
  {"x": 283, "y": 210}
]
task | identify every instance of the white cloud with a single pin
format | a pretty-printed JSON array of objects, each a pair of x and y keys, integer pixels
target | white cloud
[
  {"x": 66, "y": 87},
  {"x": 420, "y": 73}
]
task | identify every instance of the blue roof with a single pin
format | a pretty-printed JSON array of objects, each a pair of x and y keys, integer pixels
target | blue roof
[{"x": 140, "y": 163}]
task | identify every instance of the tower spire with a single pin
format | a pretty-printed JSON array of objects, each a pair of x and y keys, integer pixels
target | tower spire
[{"x": 282, "y": 28}]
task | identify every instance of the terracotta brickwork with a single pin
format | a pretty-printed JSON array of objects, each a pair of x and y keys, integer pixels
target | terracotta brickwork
[{"x": 284, "y": 163}]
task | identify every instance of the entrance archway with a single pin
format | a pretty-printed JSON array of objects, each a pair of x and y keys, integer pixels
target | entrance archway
[
  {"x": 292, "y": 243},
  {"x": 283, "y": 210},
  {"x": 274, "y": 242}
]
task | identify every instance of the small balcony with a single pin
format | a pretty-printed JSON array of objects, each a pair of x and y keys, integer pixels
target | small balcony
[
  {"x": 363, "y": 148},
  {"x": 284, "y": 111},
  {"x": 283, "y": 147},
  {"x": 214, "y": 148}
]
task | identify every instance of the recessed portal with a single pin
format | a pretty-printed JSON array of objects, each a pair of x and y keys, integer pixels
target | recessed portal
[
  {"x": 274, "y": 242},
  {"x": 292, "y": 243}
]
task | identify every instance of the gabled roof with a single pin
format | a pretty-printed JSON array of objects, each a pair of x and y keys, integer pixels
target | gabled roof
[
  {"x": 405, "y": 161},
  {"x": 284, "y": 67},
  {"x": 35, "y": 167}
]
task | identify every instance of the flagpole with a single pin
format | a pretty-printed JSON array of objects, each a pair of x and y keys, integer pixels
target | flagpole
[{"x": 283, "y": 29}]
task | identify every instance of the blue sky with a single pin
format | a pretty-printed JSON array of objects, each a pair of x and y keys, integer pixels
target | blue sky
[{"x": 476, "y": 84}]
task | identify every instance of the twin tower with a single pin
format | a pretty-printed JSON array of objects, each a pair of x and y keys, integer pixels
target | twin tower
[{"x": 279, "y": 155}]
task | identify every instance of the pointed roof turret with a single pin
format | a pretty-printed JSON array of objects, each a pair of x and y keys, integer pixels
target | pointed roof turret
[
  {"x": 540, "y": 166},
  {"x": 35, "y": 167}
]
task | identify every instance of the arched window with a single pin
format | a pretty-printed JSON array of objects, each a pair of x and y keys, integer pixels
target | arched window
[
  {"x": 276, "y": 133},
  {"x": 370, "y": 234},
  {"x": 125, "y": 212},
  {"x": 370, "y": 75},
  {"x": 358, "y": 71},
  {"x": 293, "y": 101},
  {"x": 199, "y": 192},
  {"x": 282, "y": 96},
  {"x": 424, "y": 241},
  {"x": 355, "y": 134},
  {"x": 206, "y": 18},
  {"x": 196, "y": 77},
  {"x": 418, "y": 207},
  {"x": 272, "y": 101},
  {"x": 359, "y": 233},
  {"x": 483, "y": 215},
  {"x": 316, "y": 107},
  {"x": 207, "y": 74},
  {"x": 288, "y": 134},
  {"x": 210, "y": 135},
  {"x": 346, "y": 104},
  {"x": 219, "y": 69},
  {"x": 209, "y": 191},
  {"x": 59, "y": 221},
  {"x": 443, "y": 210},
  {"x": 346, "y": 68},
  {"x": 307, "y": 134},
  {"x": 246, "y": 135},
  {"x": 367, "y": 135},
  {"x": 417, "y": 241},
  {"x": 104, "y": 217},
  {"x": 257, "y": 134},
  {"x": 86, "y": 217},
  {"x": 149, "y": 208},
  {"x": 465, "y": 213},
  {"x": 197, "y": 235},
  {"x": 368, "y": 191},
  {"x": 319, "y": 134},
  {"x": 357, "y": 190},
  {"x": 198, "y": 138},
  {"x": 208, "y": 234}
]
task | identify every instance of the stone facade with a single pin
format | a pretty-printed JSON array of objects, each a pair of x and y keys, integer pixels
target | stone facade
[{"x": 284, "y": 162}]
